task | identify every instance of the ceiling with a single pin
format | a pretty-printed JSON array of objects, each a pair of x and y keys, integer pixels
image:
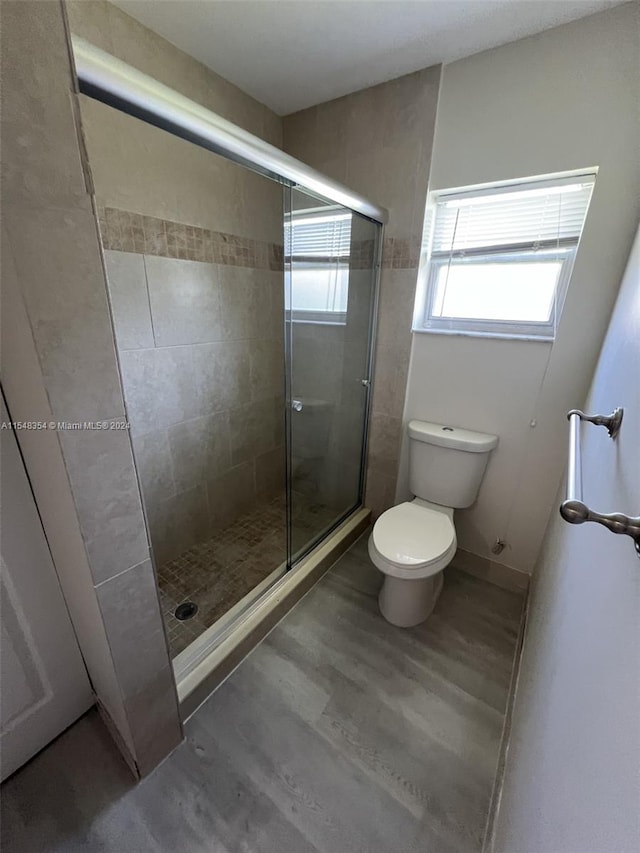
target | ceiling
[{"x": 292, "y": 54}]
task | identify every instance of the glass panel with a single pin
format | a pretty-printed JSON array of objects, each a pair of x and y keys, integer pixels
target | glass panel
[
  {"x": 520, "y": 290},
  {"x": 330, "y": 255},
  {"x": 196, "y": 292}
]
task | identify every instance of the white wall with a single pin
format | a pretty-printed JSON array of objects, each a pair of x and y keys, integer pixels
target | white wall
[
  {"x": 564, "y": 99},
  {"x": 571, "y": 780}
]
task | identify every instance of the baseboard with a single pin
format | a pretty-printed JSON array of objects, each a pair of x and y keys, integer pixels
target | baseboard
[
  {"x": 490, "y": 571},
  {"x": 496, "y": 794}
]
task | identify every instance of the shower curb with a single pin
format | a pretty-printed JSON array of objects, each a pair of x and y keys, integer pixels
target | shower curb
[{"x": 195, "y": 686}]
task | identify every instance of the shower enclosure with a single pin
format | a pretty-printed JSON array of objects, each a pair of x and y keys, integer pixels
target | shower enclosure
[{"x": 244, "y": 343}]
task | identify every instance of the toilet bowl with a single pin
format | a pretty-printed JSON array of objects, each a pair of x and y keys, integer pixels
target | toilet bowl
[{"x": 413, "y": 542}]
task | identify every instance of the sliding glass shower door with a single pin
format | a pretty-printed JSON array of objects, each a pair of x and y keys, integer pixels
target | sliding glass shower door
[
  {"x": 245, "y": 379},
  {"x": 330, "y": 266},
  {"x": 245, "y": 370}
]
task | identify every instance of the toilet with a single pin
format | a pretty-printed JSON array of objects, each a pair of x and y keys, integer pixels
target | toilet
[{"x": 413, "y": 542}]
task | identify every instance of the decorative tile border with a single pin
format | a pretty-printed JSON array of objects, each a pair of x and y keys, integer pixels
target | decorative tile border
[
  {"x": 400, "y": 254},
  {"x": 362, "y": 255},
  {"x": 126, "y": 231}
]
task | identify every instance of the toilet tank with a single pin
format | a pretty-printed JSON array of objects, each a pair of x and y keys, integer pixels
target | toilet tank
[{"x": 446, "y": 464}]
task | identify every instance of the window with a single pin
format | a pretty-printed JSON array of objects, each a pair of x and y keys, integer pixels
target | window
[
  {"x": 499, "y": 258},
  {"x": 318, "y": 245}
]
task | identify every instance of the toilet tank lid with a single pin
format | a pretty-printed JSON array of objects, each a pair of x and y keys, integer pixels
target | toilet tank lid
[{"x": 452, "y": 437}]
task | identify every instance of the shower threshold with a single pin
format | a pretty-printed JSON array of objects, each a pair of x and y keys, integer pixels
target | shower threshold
[{"x": 213, "y": 656}]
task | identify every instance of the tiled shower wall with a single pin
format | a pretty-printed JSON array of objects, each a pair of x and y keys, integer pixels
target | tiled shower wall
[
  {"x": 144, "y": 170},
  {"x": 378, "y": 142},
  {"x": 201, "y": 355},
  {"x": 194, "y": 260}
]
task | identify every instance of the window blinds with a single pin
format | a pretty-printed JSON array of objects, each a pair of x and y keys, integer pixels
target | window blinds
[
  {"x": 320, "y": 235},
  {"x": 509, "y": 217}
]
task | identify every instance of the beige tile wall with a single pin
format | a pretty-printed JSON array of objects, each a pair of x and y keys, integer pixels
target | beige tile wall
[
  {"x": 52, "y": 237},
  {"x": 195, "y": 274},
  {"x": 141, "y": 169},
  {"x": 378, "y": 141},
  {"x": 202, "y": 363},
  {"x": 111, "y": 29}
]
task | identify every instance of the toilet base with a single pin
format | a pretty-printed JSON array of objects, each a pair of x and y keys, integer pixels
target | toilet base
[{"x": 406, "y": 603}]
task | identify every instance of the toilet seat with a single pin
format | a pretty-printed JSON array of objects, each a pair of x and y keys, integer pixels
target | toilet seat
[{"x": 413, "y": 540}]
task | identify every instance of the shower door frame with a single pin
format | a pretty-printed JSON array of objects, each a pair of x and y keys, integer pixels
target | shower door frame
[
  {"x": 275, "y": 585},
  {"x": 105, "y": 78}
]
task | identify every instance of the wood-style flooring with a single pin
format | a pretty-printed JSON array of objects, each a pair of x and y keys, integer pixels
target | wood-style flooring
[{"x": 338, "y": 734}]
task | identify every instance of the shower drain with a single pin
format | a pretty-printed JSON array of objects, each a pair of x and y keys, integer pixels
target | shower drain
[{"x": 186, "y": 610}]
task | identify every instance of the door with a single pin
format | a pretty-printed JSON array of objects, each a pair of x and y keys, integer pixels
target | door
[
  {"x": 45, "y": 686},
  {"x": 330, "y": 288}
]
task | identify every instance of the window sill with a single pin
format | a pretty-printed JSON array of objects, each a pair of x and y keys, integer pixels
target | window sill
[{"x": 504, "y": 336}]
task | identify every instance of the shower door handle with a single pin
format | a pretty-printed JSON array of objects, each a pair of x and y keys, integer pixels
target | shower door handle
[{"x": 296, "y": 405}]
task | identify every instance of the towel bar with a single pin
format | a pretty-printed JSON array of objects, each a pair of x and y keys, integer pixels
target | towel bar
[{"x": 573, "y": 509}]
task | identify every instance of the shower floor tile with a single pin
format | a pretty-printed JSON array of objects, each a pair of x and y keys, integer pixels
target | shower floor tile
[{"x": 218, "y": 573}]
